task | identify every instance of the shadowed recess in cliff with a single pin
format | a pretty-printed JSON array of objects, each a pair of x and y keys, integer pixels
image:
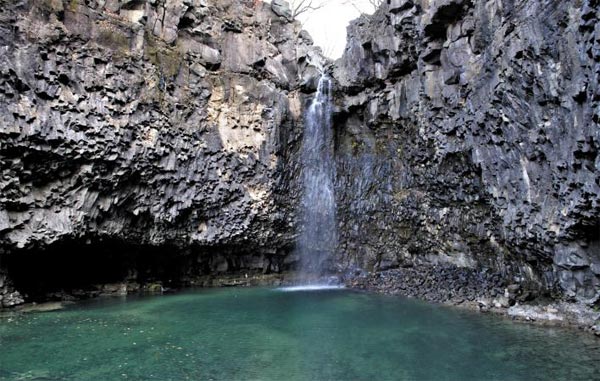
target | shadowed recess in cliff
[
  {"x": 318, "y": 238},
  {"x": 87, "y": 267},
  {"x": 91, "y": 266}
]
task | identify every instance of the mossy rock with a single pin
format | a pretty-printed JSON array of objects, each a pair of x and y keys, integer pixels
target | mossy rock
[
  {"x": 155, "y": 288},
  {"x": 73, "y": 5},
  {"x": 167, "y": 59},
  {"x": 113, "y": 38},
  {"x": 53, "y": 5}
]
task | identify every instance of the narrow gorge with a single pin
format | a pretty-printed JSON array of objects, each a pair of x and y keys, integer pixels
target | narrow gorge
[{"x": 147, "y": 145}]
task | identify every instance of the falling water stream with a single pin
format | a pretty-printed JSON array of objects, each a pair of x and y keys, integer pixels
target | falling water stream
[{"x": 318, "y": 238}]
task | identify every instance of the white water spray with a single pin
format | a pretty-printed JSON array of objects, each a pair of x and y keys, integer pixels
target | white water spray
[{"x": 318, "y": 238}]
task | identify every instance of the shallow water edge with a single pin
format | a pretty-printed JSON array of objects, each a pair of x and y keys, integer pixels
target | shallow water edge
[{"x": 550, "y": 313}]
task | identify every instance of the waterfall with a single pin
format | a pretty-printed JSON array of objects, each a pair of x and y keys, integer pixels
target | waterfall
[{"x": 318, "y": 238}]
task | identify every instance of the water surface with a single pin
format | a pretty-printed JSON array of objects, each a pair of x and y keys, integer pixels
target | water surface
[{"x": 265, "y": 334}]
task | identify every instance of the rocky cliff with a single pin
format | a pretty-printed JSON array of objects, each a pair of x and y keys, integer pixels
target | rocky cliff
[
  {"x": 468, "y": 137},
  {"x": 145, "y": 141},
  {"x": 142, "y": 139}
]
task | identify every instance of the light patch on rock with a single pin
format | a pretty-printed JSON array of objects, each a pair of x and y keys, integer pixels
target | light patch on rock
[
  {"x": 257, "y": 193},
  {"x": 526, "y": 179},
  {"x": 238, "y": 120},
  {"x": 150, "y": 137}
]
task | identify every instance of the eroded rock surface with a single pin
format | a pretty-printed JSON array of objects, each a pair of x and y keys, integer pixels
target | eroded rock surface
[
  {"x": 468, "y": 135},
  {"x": 153, "y": 140},
  {"x": 152, "y": 123}
]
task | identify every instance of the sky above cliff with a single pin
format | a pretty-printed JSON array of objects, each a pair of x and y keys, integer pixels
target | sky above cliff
[{"x": 327, "y": 25}]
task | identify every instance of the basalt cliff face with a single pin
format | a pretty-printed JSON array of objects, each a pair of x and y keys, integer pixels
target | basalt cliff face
[
  {"x": 468, "y": 138},
  {"x": 143, "y": 139},
  {"x": 146, "y": 141}
]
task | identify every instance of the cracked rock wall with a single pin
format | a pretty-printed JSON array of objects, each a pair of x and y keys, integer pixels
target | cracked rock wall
[
  {"x": 468, "y": 134},
  {"x": 151, "y": 122}
]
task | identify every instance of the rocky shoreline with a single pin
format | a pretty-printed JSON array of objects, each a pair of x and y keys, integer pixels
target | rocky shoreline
[
  {"x": 245, "y": 279},
  {"x": 456, "y": 287},
  {"x": 481, "y": 291}
]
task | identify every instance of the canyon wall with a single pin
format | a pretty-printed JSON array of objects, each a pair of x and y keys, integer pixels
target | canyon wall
[
  {"x": 468, "y": 135},
  {"x": 140, "y": 134},
  {"x": 147, "y": 141}
]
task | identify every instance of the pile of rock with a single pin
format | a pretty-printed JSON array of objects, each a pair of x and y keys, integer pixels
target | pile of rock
[{"x": 435, "y": 283}]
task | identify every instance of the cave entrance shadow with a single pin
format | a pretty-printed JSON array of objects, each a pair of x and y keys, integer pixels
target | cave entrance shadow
[{"x": 79, "y": 266}]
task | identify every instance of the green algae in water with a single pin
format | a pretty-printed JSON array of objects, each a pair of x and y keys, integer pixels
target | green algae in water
[{"x": 264, "y": 334}]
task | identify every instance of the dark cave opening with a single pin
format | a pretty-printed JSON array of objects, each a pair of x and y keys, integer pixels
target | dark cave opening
[
  {"x": 87, "y": 267},
  {"x": 82, "y": 266}
]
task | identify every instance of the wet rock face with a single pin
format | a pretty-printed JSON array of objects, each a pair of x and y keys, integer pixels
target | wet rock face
[
  {"x": 9, "y": 297},
  {"x": 468, "y": 134},
  {"x": 150, "y": 122}
]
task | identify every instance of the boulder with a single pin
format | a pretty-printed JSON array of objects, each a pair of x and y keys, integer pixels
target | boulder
[{"x": 282, "y": 8}]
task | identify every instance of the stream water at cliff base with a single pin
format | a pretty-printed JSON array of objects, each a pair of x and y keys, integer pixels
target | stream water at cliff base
[{"x": 267, "y": 334}]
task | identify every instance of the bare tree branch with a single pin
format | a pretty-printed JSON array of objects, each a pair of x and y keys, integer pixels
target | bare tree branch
[
  {"x": 303, "y": 6},
  {"x": 372, "y": 4}
]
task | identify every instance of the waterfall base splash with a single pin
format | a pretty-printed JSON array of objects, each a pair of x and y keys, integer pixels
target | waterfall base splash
[{"x": 311, "y": 287}]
